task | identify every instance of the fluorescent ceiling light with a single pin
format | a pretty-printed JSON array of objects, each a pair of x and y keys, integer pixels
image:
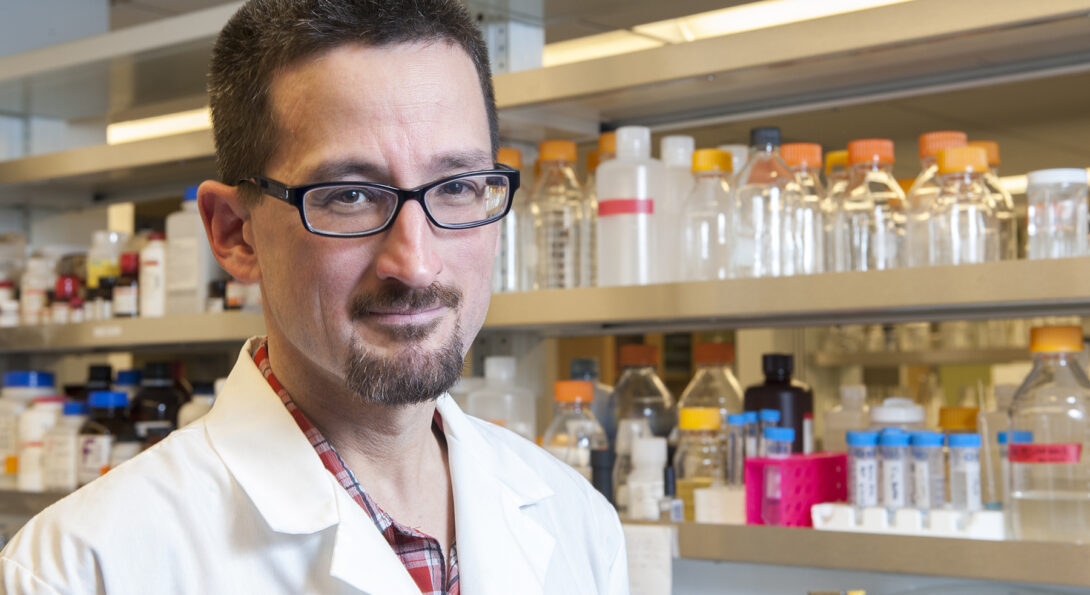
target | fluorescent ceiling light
[
  {"x": 177, "y": 123},
  {"x": 736, "y": 19}
]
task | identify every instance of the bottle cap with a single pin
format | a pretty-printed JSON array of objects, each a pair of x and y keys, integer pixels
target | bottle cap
[
  {"x": 592, "y": 161},
  {"x": 191, "y": 193},
  {"x": 957, "y": 419},
  {"x": 130, "y": 263},
  {"x": 712, "y": 160},
  {"x": 607, "y": 143},
  {"x": 964, "y": 441},
  {"x": 991, "y": 148},
  {"x": 128, "y": 377},
  {"x": 780, "y": 434},
  {"x": 738, "y": 155},
  {"x": 764, "y": 135},
  {"x": 158, "y": 371},
  {"x": 677, "y": 150},
  {"x": 736, "y": 419},
  {"x": 1017, "y": 437},
  {"x": 895, "y": 438},
  {"x": 777, "y": 363},
  {"x": 573, "y": 391},
  {"x": 634, "y": 142},
  {"x": 75, "y": 408},
  {"x": 699, "y": 418},
  {"x": 854, "y": 395},
  {"x": 802, "y": 154},
  {"x": 962, "y": 159},
  {"x": 66, "y": 287},
  {"x": 770, "y": 415},
  {"x": 639, "y": 355},
  {"x": 835, "y": 159},
  {"x": 870, "y": 149},
  {"x": 865, "y": 438},
  {"x": 650, "y": 450},
  {"x": 584, "y": 368},
  {"x": 897, "y": 410},
  {"x": 926, "y": 439},
  {"x": 101, "y": 373},
  {"x": 1056, "y": 176},
  {"x": 556, "y": 150},
  {"x": 28, "y": 379},
  {"x": 509, "y": 156},
  {"x": 933, "y": 142},
  {"x": 500, "y": 368},
  {"x": 713, "y": 353},
  {"x": 1055, "y": 339},
  {"x": 102, "y": 399}
]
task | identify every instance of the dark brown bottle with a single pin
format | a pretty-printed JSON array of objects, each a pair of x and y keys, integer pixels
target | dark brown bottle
[
  {"x": 157, "y": 402},
  {"x": 794, "y": 400}
]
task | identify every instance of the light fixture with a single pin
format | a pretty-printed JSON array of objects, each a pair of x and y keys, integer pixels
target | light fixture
[{"x": 176, "y": 123}]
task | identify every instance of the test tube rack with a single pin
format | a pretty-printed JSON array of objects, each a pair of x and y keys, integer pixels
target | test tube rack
[
  {"x": 940, "y": 522},
  {"x": 805, "y": 480}
]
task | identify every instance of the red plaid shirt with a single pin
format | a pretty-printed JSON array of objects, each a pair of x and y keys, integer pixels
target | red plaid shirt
[{"x": 421, "y": 554}]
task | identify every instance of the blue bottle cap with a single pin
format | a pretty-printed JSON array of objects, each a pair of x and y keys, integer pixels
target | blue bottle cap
[
  {"x": 780, "y": 434},
  {"x": 863, "y": 438},
  {"x": 964, "y": 440},
  {"x": 28, "y": 379},
  {"x": 129, "y": 377},
  {"x": 1019, "y": 437},
  {"x": 736, "y": 419},
  {"x": 927, "y": 439},
  {"x": 751, "y": 417},
  {"x": 770, "y": 415},
  {"x": 75, "y": 408},
  {"x": 107, "y": 399},
  {"x": 190, "y": 193},
  {"x": 893, "y": 439}
]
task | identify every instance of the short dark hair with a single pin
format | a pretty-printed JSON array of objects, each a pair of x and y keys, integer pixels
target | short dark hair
[{"x": 265, "y": 36}]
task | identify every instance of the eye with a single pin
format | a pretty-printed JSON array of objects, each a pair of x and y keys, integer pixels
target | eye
[
  {"x": 354, "y": 197},
  {"x": 458, "y": 189}
]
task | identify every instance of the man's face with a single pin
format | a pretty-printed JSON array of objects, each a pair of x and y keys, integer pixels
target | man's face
[{"x": 389, "y": 315}]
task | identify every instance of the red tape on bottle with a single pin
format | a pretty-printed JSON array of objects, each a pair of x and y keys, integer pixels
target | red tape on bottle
[
  {"x": 626, "y": 206},
  {"x": 1045, "y": 453}
]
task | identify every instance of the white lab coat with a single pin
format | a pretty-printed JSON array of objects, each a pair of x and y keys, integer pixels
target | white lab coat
[{"x": 238, "y": 502}]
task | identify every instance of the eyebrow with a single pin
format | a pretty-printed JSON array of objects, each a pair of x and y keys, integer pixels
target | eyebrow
[{"x": 442, "y": 165}]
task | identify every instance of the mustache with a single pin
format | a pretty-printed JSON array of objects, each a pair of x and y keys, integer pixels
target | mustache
[{"x": 401, "y": 297}]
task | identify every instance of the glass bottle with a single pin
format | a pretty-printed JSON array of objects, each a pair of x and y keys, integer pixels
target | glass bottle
[
  {"x": 925, "y": 189},
  {"x": 699, "y": 459},
  {"x": 714, "y": 384},
  {"x": 837, "y": 258},
  {"x": 640, "y": 393},
  {"x": 1001, "y": 202},
  {"x": 706, "y": 219},
  {"x": 873, "y": 213},
  {"x": 586, "y": 368},
  {"x": 765, "y": 191},
  {"x": 574, "y": 432},
  {"x": 807, "y": 225},
  {"x": 505, "y": 275},
  {"x": 962, "y": 226},
  {"x": 556, "y": 209},
  {"x": 158, "y": 401},
  {"x": 588, "y": 226}
]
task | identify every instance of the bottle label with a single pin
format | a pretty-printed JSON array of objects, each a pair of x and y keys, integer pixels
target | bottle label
[
  {"x": 865, "y": 481},
  {"x": 94, "y": 457},
  {"x": 893, "y": 483},
  {"x": 626, "y": 206},
  {"x": 125, "y": 301},
  {"x": 101, "y": 267},
  {"x": 1045, "y": 453},
  {"x": 61, "y": 462},
  {"x": 921, "y": 497},
  {"x": 182, "y": 260}
]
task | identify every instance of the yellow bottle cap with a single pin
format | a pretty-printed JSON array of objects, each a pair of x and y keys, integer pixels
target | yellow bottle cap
[
  {"x": 991, "y": 147},
  {"x": 834, "y": 159},
  {"x": 699, "y": 418},
  {"x": 1055, "y": 339},
  {"x": 712, "y": 160},
  {"x": 510, "y": 157},
  {"x": 962, "y": 159},
  {"x": 556, "y": 150},
  {"x": 572, "y": 391}
]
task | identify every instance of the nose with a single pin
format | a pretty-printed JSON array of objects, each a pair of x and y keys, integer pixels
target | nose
[{"x": 408, "y": 252}]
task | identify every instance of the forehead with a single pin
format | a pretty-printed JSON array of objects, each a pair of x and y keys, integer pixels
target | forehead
[{"x": 393, "y": 108}]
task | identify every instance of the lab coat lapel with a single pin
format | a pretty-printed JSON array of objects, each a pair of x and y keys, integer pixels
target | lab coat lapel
[
  {"x": 501, "y": 548},
  {"x": 362, "y": 557}
]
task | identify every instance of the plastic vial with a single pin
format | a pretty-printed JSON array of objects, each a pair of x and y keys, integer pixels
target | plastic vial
[
  {"x": 1056, "y": 219},
  {"x": 893, "y": 447},
  {"x": 923, "y": 193},
  {"x": 779, "y": 442},
  {"x": 928, "y": 470},
  {"x": 849, "y": 415},
  {"x": 500, "y": 401},
  {"x": 1002, "y": 204},
  {"x": 676, "y": 153},
  {"x": 753, "y": 439},
  {"x": 699, "y": 458},
  {"x": 806, "y": 226},
  {"x": 706, "y": 219},
  {"x": 767, "y": 418},
  {"x": 765, "y": 191},
  {"x": 640, "y": 393},
  {"x": 628, "y": 186},
  {"x": 574, "y": 432},
  {"x": 962, "y": 227},
  {"x": 556, "y": 210},
  {"x": 628, "y": 432},
  {"x": 863, "y": 468},
  {"x": 736, "y": 449},
  {"x": 965, "y": 472},
  {"x": 646, "y": 482},
  {"x": 872, "y": 219},
  {"x": 837, "y": 257},
  {"x": 505, "y": 274}
]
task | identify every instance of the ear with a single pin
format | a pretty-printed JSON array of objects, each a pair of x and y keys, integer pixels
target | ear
[{"x": 227, "y": 224}]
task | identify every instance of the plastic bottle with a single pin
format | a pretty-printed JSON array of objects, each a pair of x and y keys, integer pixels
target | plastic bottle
[
  {"x": 897, "y": 412},
  {"x": 923, "y": 192},
  {"x": 18, "y": 393},
  {"x": 36, "y": 281},
  {"x": 628, "y": 432},
  {"x": 646, "y": 482},
  {"x": 893, "y": 449},
  {"x": 1050, "y": 477},
  {"x": 765, "y": 191},
  {"x": 574, "y": 432},
  {"x": 198, "y": 406},
  {"x": 990, "y": 424},
  {"x": 641, "y": 393},
  {"x": 1056, "y": 219},
  {"x": 108, "y": 422},
  {"x": 190, "y": 265},
  {"x": 157, "y": 402},
  {"x": 928, "y": 470},
  {"x": 33, "y": 425},
  {"x": 628, "y": 187},
  {"x": 588, "y": 226},
  {"x": 60, "y": 449},
  {"x": 706, "y": 219},
  {"x": 837, "y": 252},
  {"x": 1001, "y": 202},
  {"x": 849, "y": 415},
  {"x": 767, "y": 418},
  {"x": 714, "y": 384},
  {"x": 792, "y": 399},
  {"x": 501, "y": 402},
  {"x": 779, "y": 442},
  {"x": 863, "y": 468},
  {"x": 962, "y": 227},
  {"x": 505, "y": 275},
  {"x": 586, "y": 368},
  {"x": 556, "y": 210},
  {"x": 807, "y": 224},
  {"x": 872, "y": 217},
  {"x": 153, "y": 296},
  {"x": 104, "y": 257},
  {"x": 699, "y": 458},
  {"x": 677, "y": 155},
  {"x": 965, "y": 472}
]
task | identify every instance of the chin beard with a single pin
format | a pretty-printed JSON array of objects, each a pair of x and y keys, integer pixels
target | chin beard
[{"x": 410, "y": 376}]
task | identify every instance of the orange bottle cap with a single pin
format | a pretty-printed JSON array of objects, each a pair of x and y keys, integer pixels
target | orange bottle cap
[
  {"x": 573, "y": 391},
  {"x": 607, "y": 143},
  {"x": 510, "y": 157},
  {"x": 933, "y": 142},
  {"x": 991, "y": 147},
  {"x": 801, "y": 154},
  {"x": 958, "y": 419},
  {"x": 556, "y": 150},
  {"x": 962, "y": 159},
  {"x": 699, "y": 418},
  {"x": 639, "y": 355},
  {"x": 713, "y": 353},
  {"x": 870, "y": 149},
  {"x": 712, "y": 160},
  {"x": 1055, "y": 339},
  {"x": 834, "y": 159},
  {"x": 592, "y": 161}
]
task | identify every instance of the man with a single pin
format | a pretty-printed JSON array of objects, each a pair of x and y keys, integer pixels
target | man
[{"x": 333, "y": 461}]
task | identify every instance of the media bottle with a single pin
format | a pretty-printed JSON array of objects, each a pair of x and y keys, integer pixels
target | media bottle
[
  {"x": 765, "y": 191},
  {"x": 640, "y": 393},
  {"x": 676, "y": 153},
  {"x": 806, "y": 224},
  {"x": 556, "y": 210},
  {"x": 628, "y": 186},
  {"x": 505, "y": 275},
  {"x": 962, "y": 228},
  {"x": 699, "y": 461},
  {"x": 872, "y": 217},
  {"x": 706, "y": 219},
  {"x": 574, "y": 432}
]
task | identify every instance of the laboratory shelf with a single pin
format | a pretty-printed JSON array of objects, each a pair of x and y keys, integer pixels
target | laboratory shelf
[
  {"x": 1007, "y": 561},
  {"x": 937, "y": 357}
]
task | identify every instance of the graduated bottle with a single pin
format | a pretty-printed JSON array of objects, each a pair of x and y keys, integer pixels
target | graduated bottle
[
  {"x": 1001, "y": 202},
  {"x": 1050, "y": 419},
  {"x": 925, "y": 189},
  {"x": 628, "y": 187},
  {"x": 872, "y": 218},
  {"x": 706, "y": 219},
  {"x": 714, "y": 384},
  {"x": 640, "y": 393},
  {"x": 837, "y": 255},
  {"x": 806, "y": 226},
  {"x": 556, "y": 209},
  {"x": 962, "y": 226},
  {"x": 764, "y": 193},
  {"x": 588, "y": 225},
  {"x": 505, "y": 275},
  {"x": 699, "y": 461},
  {"x": 677, "y": 155}
]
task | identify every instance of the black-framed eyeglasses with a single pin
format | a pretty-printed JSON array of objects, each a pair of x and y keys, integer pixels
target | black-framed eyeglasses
[{"x": 357, "y": 209}]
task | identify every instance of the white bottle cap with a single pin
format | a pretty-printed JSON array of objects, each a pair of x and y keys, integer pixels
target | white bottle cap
[
  {"x": 738, "y": 155},
  {"x": 853, "y": 396},
  {"x": 633, "y": 142},
  {"x": 897, "y": 410},
  {"x": 1056, "y": 176},
  {"x": 650, "y": 450},
  {"x": 499, "y": 367},
  {"x": 677, "y": 151}
]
